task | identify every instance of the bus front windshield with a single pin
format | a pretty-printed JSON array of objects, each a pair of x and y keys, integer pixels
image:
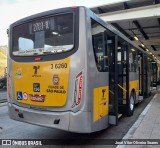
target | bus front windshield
[{"x": 48, "y": 35}]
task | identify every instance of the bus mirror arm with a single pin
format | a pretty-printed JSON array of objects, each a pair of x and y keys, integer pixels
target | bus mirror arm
[{"x": 8, "y": 32}]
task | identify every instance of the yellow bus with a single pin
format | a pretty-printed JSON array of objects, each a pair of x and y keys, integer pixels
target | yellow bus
[{"x": 70, "y": 70}]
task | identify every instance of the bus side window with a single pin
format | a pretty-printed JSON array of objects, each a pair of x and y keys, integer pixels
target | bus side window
[
  {"x": 98, "y": 51},
  {"x": 132, "y": 59},
  {"x": 99, "y": 46}
]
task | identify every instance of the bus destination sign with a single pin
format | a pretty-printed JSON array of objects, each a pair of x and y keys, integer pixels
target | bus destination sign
[{"x": 41, "y": 25}]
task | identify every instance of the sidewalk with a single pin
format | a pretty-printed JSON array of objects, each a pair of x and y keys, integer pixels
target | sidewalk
[{"x": 147, "y": 125}]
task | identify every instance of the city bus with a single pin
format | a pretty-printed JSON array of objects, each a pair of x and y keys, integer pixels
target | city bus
[{"x": 70, "y": 70}]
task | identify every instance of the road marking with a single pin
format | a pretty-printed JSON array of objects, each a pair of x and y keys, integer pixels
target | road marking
[{"x": 134, "y": 127}]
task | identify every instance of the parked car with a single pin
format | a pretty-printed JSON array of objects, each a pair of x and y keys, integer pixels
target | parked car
[{"x": 3, "y": 83}]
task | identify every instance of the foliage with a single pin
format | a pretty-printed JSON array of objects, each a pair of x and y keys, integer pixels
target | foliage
[{"x": 3, "y": 60}]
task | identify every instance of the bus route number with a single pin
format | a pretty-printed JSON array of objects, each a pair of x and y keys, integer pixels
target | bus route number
[
  {"x": 59, "y": 66},
  {"x": 40, "y": 26}
]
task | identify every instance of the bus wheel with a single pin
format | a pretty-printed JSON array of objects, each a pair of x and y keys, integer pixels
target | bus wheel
[{"x": 131, "y": 106}]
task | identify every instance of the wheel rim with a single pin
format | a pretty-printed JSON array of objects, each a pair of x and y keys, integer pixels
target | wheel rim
[{"x": 131, "y": 103}]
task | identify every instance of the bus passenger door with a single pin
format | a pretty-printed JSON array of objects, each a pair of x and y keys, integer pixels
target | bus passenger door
[
  {"x": 104, "y": 47},
  {"x": 122, "y": 76},
  {"x": 153, "y": 75},
  {"x": 145, "y": 77},
  {"x": 113, "y": 101},
  {"x": 141, "y": 75}
]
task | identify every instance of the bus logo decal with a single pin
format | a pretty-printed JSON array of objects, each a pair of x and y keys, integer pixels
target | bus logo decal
[
  {"x": 19, "y": 95},
  {"x": 103, "y": 91},
  {"x": 56, "y": 79},
  {"x": 36, "y": 87},
  {"x": 6, "y": 142},
  {"x": 25, "y": 96},
  {"x": 18, "y": 73},
  {"x": 36, "y": 69},
  {"x": 80, "y": 90}
]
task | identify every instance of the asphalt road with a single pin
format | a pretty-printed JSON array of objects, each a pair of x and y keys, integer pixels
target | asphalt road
[
  {"x": 3, "y": 95},
  {"x": 10, "y": 129}
]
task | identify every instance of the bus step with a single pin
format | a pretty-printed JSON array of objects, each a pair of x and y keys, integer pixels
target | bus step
[
  {"x": 121, "y": 109},
  {"x": 121, "y": 101},
  {"x": 140, "y": 98},
  {"x": 119, "y": 116}
]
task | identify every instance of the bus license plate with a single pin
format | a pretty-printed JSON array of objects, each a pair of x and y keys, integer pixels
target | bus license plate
[{"x": 37, "y": 98}]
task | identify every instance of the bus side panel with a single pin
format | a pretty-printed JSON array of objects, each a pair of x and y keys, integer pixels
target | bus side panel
[
  {"x": 134, "y": 84},
  {"x": 10, "y": 84},
  {"x": 80, "y": 117},
  {"x": 101, "y": 101},
  {"x": 97, "y": 82}
]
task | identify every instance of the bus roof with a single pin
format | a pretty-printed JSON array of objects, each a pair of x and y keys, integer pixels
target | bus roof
[{"x": 89, "y": 12}]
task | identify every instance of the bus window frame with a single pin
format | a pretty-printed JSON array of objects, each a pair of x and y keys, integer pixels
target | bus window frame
[
  {"x": 105, "y": 44},
  {"x": 48, "y": 57}
]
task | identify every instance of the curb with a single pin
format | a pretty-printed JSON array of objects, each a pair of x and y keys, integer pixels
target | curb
[{"x": 132, "y": 130}]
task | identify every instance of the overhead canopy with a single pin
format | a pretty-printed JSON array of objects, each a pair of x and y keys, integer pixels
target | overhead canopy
[{"x": 140, "y": 18}]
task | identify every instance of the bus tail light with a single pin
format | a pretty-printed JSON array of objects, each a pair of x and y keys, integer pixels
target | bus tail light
[
  {"x": 78, "y": 90},
  {"x": 16, "y": 110},
  {"x": 37, "y": 59}
]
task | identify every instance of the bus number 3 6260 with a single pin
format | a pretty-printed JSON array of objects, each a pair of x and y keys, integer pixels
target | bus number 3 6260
[{"x": 59, "y": 66}]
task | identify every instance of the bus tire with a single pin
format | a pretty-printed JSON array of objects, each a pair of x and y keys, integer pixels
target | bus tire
[{"x": 131, "y": 106}]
